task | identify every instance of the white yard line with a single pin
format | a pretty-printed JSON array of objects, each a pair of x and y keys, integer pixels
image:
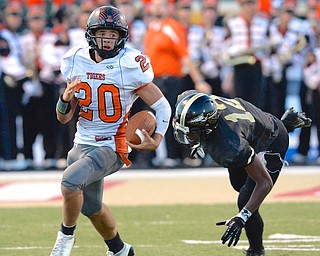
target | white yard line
[{"x": 273, "y": 243}]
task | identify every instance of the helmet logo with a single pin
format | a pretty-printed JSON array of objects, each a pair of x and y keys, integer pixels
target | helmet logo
[
  {"x": 200, "y": 119},
  {"x": 109, "y": 18}
]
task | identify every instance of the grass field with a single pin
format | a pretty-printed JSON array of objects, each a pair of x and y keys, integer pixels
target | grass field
[{"x": 175, "y": 230}]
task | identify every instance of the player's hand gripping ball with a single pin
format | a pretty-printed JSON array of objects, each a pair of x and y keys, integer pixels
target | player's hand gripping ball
[{"x": 141, "y": 120}]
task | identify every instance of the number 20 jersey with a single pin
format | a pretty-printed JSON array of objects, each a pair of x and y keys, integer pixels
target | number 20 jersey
[
  {"x": 242, "y": 130},
  {"x": 106, "y": 93}
]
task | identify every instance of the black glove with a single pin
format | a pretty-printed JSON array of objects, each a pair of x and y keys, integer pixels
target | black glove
[{"x": 234, "y": 229}]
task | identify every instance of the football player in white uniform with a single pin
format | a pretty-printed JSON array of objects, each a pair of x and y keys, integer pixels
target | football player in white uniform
[{"x": 104, "y": 79}]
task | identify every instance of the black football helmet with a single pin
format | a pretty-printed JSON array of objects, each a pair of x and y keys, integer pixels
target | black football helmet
[
  {"x": 195, "y": 117},
  {"x": 107, "y": 17}
]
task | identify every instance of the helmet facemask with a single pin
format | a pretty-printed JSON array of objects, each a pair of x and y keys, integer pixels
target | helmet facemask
[
  {"x": 189, "y": 137},
  {"x": 105, "y": 54}
]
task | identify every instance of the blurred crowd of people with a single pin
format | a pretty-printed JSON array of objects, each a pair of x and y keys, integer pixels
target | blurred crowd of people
[{"x": 257, "y": 52}]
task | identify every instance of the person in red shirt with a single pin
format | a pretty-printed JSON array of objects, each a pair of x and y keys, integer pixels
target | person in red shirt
[{"x": 166, "y": 45}]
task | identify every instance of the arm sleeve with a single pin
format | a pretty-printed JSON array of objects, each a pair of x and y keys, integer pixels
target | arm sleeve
[{"x": 163, "y": 114}]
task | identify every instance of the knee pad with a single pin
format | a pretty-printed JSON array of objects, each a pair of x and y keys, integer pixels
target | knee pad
[
  {"x": 70, "y": 186},
  {"x": 75, "y": 176},
  {"x": 92, "y": 198},
  {"x": 88, "y": 209}
]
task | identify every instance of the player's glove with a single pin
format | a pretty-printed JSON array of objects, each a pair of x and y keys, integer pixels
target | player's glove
[
  {"x": 235, "y": 225},
  {"x": 197, "y": 151}
]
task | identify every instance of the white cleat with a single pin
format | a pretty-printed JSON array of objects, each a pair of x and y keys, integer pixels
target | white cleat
[
  {"x": 127, "y": 250},
  {"x": 63, "y": 245}
]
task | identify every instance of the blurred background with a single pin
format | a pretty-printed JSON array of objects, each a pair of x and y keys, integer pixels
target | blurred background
[{"x": 282, "y": 49}]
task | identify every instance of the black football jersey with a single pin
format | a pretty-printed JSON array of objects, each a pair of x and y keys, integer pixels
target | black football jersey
[{"x": 242, "y": 130}]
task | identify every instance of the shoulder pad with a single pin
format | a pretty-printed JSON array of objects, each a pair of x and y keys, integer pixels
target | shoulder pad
[
  {"x": 129, "y": 58},
  {"x": 72, "y": 51}
]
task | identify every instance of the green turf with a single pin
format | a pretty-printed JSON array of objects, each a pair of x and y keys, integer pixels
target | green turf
[{"x": 159, "y": 230}]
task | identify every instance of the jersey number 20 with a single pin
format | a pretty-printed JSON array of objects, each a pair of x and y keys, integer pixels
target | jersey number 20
[{"x": 102, "y": 105}]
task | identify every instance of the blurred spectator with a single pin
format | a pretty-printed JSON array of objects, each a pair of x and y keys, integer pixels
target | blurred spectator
[
  {"x": 12, "y": 77},
  {"x": 51, "y": 74},
  {"x": 313, "y": 15},
  {"x": 77, "y": 33},
  {"x": 206, "y": 46},
  {"x": 58, "y": 4},
  {"x": 166, "y": 45},
  {"x": 292, "y": 41},
  {"x": 309, "y": 92},
  {"x": 5, "y": 143},
  {"x": 103, "y": 2},
  {"x": 248, "y": 44},
  {"x": 61, "y": 20},
  {"x": 182, "y": 14},
  {"x": 137, "y": 26},
  {"x": 31, "y": 3},
  {"x": 40, "y": 94},
  {"x": 265, "y": 8},
  {"x": 312, "y": 81}
]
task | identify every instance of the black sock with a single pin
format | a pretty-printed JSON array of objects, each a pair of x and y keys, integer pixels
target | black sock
[
  {"x": 67, "y": 230},
  {"x": 254, "y": 230},
  {"x": 115, "y": 244}
]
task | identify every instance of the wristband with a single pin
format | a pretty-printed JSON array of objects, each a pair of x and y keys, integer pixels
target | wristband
[
  {"x": 244, "y": 214},
  {"x": 63, "y": 106}
]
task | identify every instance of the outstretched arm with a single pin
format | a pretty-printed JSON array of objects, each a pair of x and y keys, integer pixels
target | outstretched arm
[{"x": 258, "y": 172}]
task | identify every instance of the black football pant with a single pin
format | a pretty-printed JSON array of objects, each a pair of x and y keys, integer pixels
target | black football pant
[{"x": 242, "y": 183}]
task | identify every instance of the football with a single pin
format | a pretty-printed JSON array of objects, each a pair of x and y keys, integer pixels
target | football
[{"x": 141, "y": 120}]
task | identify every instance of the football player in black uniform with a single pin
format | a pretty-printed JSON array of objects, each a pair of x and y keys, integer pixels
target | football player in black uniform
[{"x": 249, "y": 142}]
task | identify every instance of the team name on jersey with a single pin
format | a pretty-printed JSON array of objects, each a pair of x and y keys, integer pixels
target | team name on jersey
[{"x": 95, "y": 76}]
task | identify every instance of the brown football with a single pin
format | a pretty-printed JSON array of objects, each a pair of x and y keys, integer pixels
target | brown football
[{"x": 141, "y": 120}]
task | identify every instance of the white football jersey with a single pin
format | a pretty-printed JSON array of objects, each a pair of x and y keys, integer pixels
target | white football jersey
[{"x": 106, "y": 93}]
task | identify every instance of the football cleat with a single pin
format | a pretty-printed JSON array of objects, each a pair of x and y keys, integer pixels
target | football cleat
[
  {"x": 127, "y": 250},
  {"x": 63, "y": 245},
  {"x": 251, "y": 252},
  {"x": 295, "y": 119}
]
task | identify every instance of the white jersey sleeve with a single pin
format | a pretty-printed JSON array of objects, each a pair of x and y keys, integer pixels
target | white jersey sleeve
[{"x": 138, "y": 68}]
